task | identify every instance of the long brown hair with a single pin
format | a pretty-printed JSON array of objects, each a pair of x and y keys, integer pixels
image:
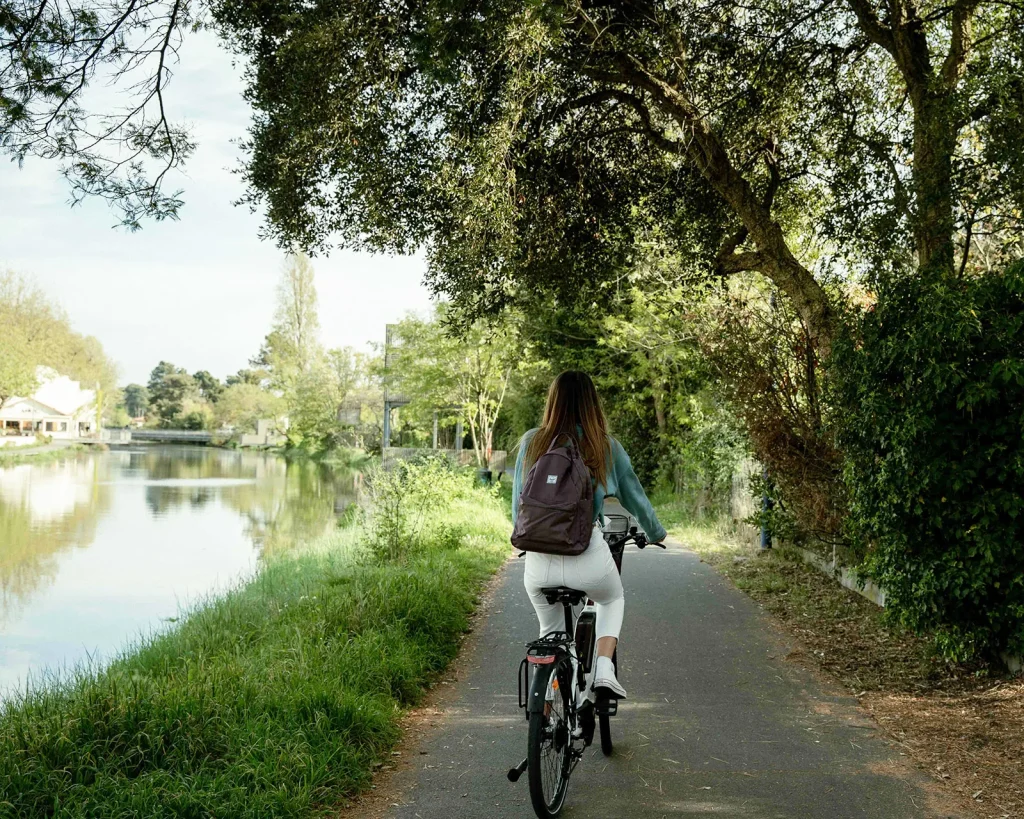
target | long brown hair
[{"x": 573, "y": 402}]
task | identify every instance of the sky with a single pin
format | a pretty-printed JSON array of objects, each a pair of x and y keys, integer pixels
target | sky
[{"x": 200, "y": 291}]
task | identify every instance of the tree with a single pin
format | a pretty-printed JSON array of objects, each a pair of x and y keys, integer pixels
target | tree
[
  {"x": 136, "y": 400},
  {"x": 536, "y": 145},
  {"x": 209, "y": 386},
  {"x": 17, "y": 371},
  {"x": 117, "y": 415},
  {"x": 318, "y": 396},
  {"x": 245, "y": 376},
  {"x": 50, "y": 54},
  {"x": 172, "y": 392},
  {"x": 292, "y": 347},
  {"x": 242, "y": 404},
  {"x": 194, "y": 413},
  {"x": 468, "y": 371},
  {"x": 36, "y": 332}
]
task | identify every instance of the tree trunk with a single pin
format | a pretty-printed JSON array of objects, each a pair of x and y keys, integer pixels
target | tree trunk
[
  {"x": 774, "y": 258},
  {"x": 934, "y": 144},
  {"x": 472, "y": 418},
  {"x": 659, "y": 409}
]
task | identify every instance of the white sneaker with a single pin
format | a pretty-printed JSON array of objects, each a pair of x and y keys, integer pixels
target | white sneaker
[{"x": 604, "y": 677}]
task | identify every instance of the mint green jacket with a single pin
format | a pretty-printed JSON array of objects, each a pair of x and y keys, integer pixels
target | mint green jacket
[{"x": 622, "y": 483}]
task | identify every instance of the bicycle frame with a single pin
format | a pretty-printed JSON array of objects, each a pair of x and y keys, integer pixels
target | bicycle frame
[
  {"x": 544, "y": 654},
  {"x": 559, "y": 717}
]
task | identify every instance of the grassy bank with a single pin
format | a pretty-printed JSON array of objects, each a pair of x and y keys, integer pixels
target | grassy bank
[
  {"x": 276, "y": 700},
  {"x": 38, "y": 454},
  {"x": 962, "y": 724}
]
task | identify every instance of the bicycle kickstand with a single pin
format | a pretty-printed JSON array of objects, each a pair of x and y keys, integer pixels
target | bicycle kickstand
[{"x": 517, "y": 771}]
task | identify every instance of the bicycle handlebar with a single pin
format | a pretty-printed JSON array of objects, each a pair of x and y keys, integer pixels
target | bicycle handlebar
[{"x": 639, "y": 538}]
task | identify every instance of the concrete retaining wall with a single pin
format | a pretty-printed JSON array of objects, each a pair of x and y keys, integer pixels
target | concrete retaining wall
[
  {"x": 876, "y": 594},
  {"x": 844, "y": 576},
  {"x": 12, "y": 441}
]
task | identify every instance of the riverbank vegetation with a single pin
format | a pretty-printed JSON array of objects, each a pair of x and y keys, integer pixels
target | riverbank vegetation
[
  {"x": 277, "y": 699},
  {"x": 38, "y": 455},
  {"x": 37, "y": 333},
  {"x": 317, "y": 401}
]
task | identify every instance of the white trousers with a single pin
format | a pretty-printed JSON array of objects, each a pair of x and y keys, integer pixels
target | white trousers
[{"x": 593, "y": 572}]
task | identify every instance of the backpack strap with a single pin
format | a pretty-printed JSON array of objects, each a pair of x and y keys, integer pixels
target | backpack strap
[{"x": 572, "y": 440}]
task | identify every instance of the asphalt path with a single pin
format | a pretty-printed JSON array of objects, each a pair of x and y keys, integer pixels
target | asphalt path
[{"x": 720, "y": 718}]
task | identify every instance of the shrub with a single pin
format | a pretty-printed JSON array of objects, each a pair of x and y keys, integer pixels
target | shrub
[
  {"x": 402, "y": 498},
  {"x": 931, "y": 393}
]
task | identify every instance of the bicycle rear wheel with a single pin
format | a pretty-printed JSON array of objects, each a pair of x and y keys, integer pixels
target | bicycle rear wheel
[{"x": 549, "y": 754}]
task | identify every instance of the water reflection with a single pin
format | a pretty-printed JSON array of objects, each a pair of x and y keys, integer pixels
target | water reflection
[
  {"x": 95, "y": 550},
  {"x": 44, "y": 511}
]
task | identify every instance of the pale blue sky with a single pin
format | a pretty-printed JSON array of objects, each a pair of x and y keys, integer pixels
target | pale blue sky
[{"x": 199, "y": 291}]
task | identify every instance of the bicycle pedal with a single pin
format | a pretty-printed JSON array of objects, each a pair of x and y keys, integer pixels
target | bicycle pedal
[{"x": 606, "y": 706}]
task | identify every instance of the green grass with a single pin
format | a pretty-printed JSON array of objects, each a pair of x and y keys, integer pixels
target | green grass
[
  {"x": 276, "y": 700},
  {"x": 32, "y": 455}
]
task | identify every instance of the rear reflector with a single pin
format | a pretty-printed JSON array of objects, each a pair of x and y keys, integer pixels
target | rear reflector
[{"x": 550, "y": 658}]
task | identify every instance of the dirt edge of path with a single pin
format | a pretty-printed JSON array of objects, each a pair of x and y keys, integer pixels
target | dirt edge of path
[{"x": 417, "y": 723}]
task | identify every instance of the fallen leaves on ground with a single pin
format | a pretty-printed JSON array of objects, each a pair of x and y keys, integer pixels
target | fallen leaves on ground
[{"x": 964, "y": 725}]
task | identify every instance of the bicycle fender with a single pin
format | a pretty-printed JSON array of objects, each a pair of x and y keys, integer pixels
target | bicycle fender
[{"x": 539, "y": 685}]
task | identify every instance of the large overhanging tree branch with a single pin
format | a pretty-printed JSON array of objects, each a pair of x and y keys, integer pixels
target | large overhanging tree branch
[
  {"x": 54, "y": 55},
  {"x": 371, "y": 116},
  {"x": 703, "y": 147}
]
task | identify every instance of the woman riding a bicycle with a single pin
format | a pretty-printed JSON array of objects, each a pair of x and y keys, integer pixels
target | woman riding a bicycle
[{"x": 573, "y": 410}]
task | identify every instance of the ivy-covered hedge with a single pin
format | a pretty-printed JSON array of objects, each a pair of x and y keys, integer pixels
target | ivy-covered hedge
[{"x": 931, "y": 389}]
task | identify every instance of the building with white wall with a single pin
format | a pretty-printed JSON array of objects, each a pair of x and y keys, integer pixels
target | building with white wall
[{"x": 59, "y": 407}]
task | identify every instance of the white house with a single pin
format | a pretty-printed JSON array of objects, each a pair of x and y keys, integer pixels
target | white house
[{"x": 59, "y": 407}]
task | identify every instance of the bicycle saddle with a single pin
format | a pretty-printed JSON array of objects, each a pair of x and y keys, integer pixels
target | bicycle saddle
[{"x": 563, "y": 594}]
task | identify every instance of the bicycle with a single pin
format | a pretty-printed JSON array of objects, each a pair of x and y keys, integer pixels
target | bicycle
[{"x": 562, "y": 717}]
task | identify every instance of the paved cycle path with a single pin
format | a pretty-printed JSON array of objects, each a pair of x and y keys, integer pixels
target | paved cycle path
[{"x": 718, "y": 721}]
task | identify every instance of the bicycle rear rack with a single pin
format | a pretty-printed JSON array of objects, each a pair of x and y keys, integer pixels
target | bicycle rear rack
[{"x": 548, "y": 649}]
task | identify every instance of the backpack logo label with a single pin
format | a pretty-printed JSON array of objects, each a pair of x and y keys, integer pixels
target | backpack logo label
[{"x": 552, "y": 479}]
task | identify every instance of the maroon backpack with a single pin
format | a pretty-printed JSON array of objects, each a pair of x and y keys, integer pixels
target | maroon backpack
[{"x": 556, "y": 507}]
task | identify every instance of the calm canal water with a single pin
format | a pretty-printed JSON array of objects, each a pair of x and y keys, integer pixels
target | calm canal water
[{"x": 102, "y": 548}]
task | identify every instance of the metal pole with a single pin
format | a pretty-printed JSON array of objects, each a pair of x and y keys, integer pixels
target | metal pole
[
  {"x": 766, "y": 507},
  {"x": 387, "y": 424}
]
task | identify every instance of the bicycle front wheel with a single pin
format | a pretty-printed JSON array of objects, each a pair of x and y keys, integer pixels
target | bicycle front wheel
[
  {"x": 549, "y": 755},
  {"x": 607, "y": 747}
]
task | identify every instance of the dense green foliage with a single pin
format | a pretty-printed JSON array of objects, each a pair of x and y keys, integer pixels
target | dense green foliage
[
  {"x": 406, "y": 502},
  {"x": 550, "y": 146},
  {"x": 461, "y": 371},
  {"x": 135, "y": 398},
  {"x": 931, "y": 391},
  {"x": 656, "y": 386},
  {"x": 176, "y": 398},
  {"x": 37, "y": 332},
  {"x": 274, "y": 701}
]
